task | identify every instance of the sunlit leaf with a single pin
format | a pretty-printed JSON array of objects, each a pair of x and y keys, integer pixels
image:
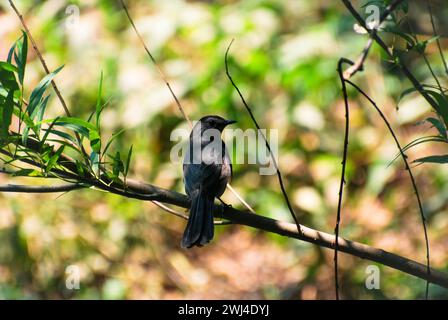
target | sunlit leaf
[
  {"x": 94, "y": 161},
  {"x": 7, "y": 76},
  {"x": 117, "y": 165},
  {"x": 48, "y": 130},
  {"x": 7, "y": 109},
  {"x": 77, "y": 125},
  {"x": 111, "y": 139},
  {"x": 99, "y": 108},
  {"x": 38, "y": 92},
  {"x": 28, "y": 173},
  {"x": 128, "y": 161},
  {"x": 95, "y": 141},
  {"x": 54, "y": 159},
  {"x": 20, "y": 55}
]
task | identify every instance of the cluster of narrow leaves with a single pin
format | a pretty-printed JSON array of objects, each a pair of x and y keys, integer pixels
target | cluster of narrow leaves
[
  {"x": 439, "y": 121},
  {"x": 47, "y": 143},
  {"x": 436, "y": 92}
]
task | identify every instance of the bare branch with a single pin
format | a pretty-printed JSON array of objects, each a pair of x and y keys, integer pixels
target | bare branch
[
  {"x": 40, "y": 189},
  {"x": 147, "y": 192},
  {"x": 437, "y": 39},
  {"x": 159, "y": 69},
  {"x": 359, "y": 63},
  {"x": 306, "y": 234},
  {"x": 386, "y": 49}
]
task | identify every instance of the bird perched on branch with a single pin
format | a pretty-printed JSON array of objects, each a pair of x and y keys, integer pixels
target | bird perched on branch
[{"x": 207, "y": 170}]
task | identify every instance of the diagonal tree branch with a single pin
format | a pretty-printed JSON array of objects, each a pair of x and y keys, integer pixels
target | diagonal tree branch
[
  {"x": 148, "y": 192},
  {"x": 386, "y": 49},
  {"x": 40, "y": 189},
  {"x": 359, "y": 63},
  {"x": 323, "y": 239}
]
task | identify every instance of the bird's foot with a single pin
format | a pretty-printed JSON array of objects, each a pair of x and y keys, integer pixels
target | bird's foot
[{"x": 224, "y": 204}]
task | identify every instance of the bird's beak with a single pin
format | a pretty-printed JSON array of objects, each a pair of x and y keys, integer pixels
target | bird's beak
[{"x": 230, "y": 122}]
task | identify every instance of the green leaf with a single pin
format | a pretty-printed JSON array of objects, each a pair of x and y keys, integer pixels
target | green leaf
[
  {"x": 38, "y": 92},
  {"x": 99, "y": 108},
  {"x": 67, "y": 144},
  {"x": 11, "y": 52},
  {"x": 439, "y": 126},
  {"x": 433, "y": 159},
  {"x": 111, "y": 139},
  {"x": 94, "y": 161},
  {"x": 21, "y": 55},
  {"x": 8, "y": 67},
  {"x": 6, "y": 114},
  {"x": 442, "y": 105},
  {"x": 48, "y": 131},
  {"x": 61, "y": 134},
  {"x": 24, "y": 117},
  {"x": 28, "y": 173},
  {"x": 7, "y": 76},
  {"x": 117, "y": 165},
  {"x": 54, "y": 159},
  {"x": 25, "y": 134},
  {"x": 411, "y": 41},
  {"x": 39, "y": 112},
  {"x": 128, "y": 161},
  {"x": 78, "y": 125},
  {"x": 80, "y": 168},
  {"x": 95, "y": 141}
]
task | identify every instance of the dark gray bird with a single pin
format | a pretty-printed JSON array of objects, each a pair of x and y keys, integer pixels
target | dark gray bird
[{"x": 207, "y": 170}]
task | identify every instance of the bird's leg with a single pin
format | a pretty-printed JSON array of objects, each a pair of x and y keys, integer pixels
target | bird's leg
[
  {"x": 224, "y": 204},
  {"x": 223, "y": 208}
]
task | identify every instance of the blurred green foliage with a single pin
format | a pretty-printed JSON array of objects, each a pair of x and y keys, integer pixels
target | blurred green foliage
[{"x": 284, "y": 60}]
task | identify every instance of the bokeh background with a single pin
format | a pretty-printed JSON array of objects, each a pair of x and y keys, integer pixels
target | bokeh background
[{"x": 284, "y": 59}]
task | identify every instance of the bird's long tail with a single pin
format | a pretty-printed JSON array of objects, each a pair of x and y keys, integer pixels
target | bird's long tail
[{"x": 200, "y": 228}]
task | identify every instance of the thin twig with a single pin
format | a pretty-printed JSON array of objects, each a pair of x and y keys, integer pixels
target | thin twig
[
  {"x": 359, "y": 63},
  {"x": 168, "y": 209},
  {"x": 41, "y": 58},
  {"x": 373, "y": 34},
  {"x": 159, "y": 69},
  {"x": 165, "y": 80},
  {"x": 344, "y": 164},
  {"x": 386, "y": 49},
  {"x": 425, "y": 58},
  {"x": 411, "y": 176},
  {"x": 240, "y": 198},
  {"x": 279, "y": 175},
  {"x": 437, "y": 39}
]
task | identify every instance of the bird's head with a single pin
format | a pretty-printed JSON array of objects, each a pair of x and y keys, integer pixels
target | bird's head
[{"x": 214, "y": 122}]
